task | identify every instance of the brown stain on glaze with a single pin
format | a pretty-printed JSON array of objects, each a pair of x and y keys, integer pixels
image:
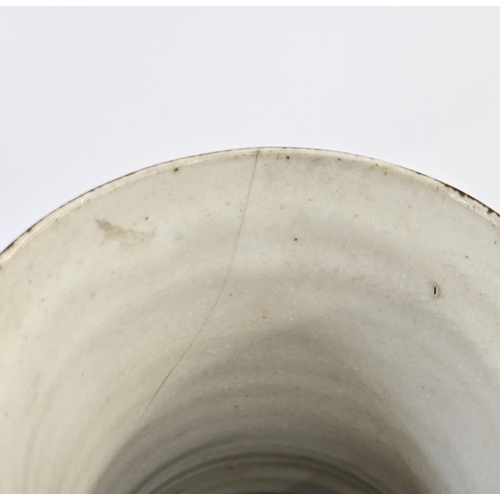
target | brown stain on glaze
[
  {"x": 117, "y": 233},
  {"x": 111, "y": 231},
  {"x": 463, "y": 194}
]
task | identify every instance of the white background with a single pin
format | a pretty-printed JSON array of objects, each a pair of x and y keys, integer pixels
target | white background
[{"x": 88, "y": 95}]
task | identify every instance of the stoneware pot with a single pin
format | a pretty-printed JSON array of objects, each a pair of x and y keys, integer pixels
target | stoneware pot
[{"x": 260, "y": 320}]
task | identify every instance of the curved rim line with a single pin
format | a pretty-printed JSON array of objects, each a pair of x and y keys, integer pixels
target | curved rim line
[{"x": 452, "y": 192}]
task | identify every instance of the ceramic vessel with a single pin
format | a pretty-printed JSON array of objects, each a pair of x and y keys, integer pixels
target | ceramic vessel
[{"x": 257, "y": 320}]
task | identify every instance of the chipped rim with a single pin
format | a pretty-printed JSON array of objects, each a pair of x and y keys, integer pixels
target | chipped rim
[{"x": 450, "y": 191}]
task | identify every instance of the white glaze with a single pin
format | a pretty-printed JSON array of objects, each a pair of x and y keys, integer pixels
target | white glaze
[{"x": 262, "y": 300}]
